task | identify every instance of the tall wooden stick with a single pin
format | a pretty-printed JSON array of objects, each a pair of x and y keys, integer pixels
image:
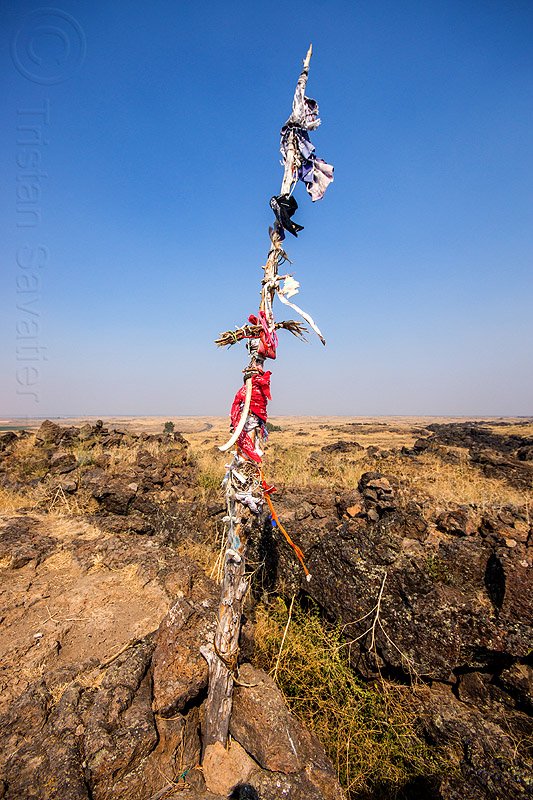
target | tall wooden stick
[{"x": 244, "y": 484}]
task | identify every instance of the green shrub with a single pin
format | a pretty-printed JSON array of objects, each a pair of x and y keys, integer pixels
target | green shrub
[
  {"x": 271, "y": 427},
  {"x": 368, "y": 730},
  {"x": 209, "y": 481}
]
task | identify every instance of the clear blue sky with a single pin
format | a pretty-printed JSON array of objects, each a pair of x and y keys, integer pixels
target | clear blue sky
[{"x": 161, "y": 154}]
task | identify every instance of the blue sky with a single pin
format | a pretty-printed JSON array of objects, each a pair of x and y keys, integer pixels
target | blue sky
[{"x": 160, "y": 156}]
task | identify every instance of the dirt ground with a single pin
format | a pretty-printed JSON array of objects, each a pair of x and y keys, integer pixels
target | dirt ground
[{"x": 68, "y": 604}]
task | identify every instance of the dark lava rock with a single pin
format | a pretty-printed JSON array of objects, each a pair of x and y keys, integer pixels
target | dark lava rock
[
  {"x": 7, "y": 439},
  {"x": 496, "y": 465},
  {"x": 489, "y": 767},
  {"x": 525, "y": 453},
  {"x": 21, "y": 542},
  {"x": 454, "y": 600},
  {"x": 349, "y": 504},
  {"x": 377, "y": 493},
  {"x": 86, "y": 432},
  {"x": 49, "y": 433},
  {"x": 180, "y": 671},
  {"x": 62, "y": 462},
  {"x": 460, "y": 434},
  {"x": 86, "y": 744},
  {"x": 114, "y": 496},
  {"x": 341, "y": 447},
  {"x": 119, "y": 726},
  {"x": 517, "y": 680},
  {"x": 423, "y": 444},
  {"x": 490, "y": 457},
  {"x": 455, "y": 522},
  {"x": 496, "y": 455},
  {"x": 262, "y": 724}
]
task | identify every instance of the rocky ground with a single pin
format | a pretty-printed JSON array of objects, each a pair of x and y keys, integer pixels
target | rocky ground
[{"x": 106, "y": 547}]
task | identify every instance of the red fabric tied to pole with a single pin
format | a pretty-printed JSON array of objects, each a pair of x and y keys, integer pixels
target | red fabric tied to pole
[
  {"x": 269, "y": 339},
  {"x": 258, "y": 403},
  {"x": 258, "y": 406}
]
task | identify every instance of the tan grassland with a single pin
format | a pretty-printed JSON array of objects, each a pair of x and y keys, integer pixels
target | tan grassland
[{"x": 289, "y": 459}]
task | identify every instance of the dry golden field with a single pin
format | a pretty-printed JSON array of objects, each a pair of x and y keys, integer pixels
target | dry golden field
[
  {"x": 293, "y": 456},
  {"x": 290, "y": 461}
]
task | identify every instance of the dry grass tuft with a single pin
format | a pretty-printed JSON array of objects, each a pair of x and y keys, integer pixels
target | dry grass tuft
[
  {"x": 24, "y": 446},
  {"x": 289, "y": 462},
  {"x": 11, "y": 501},
  {"x": 462, "y": 482},
  {"x": 427, "y": 476},
  {"x": 52, "y": 499},
  {"x": 202, "y": 553},
  {"x": 370, "y": 732},
  {"x": 208, "y": 552},
  {"x": 209, "y": 468},
  {"x": 293, "y": 466}
]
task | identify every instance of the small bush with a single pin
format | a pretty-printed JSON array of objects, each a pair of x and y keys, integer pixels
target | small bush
[
  {"x": 84, "y": 456},
  {"x": 168, "y": 427},
  {"x": 271, "y": 428},
  {"x": 369, "y": 731},
  {"x": 437, "y": 569},
  {"x": 209, "y": 481}
]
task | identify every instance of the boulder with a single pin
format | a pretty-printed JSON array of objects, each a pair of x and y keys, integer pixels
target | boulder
[
  {"x": 22, "y": 541},
  {"x": 86, "y": 432},
  {"x": 349, "y": 504},
  {"x": 62, "y": 462},
  {"x": 49, "y": 433},
  {"x": 113, "y": 496},
  {"x": 263, "y": 725},
  {"x": 487, "y": 765},
  {"x": 341, "y": 447},
  {"x": 377, "y": 492},
  {"x": 223, "y": 767},
  {"x": 119, "y": 729},
  {"x": 180, "y": 673},
  {"x": 7, "y": 439},
  {"x": 455, "y": 522},
  {"x": 525, "y": 453},
  {"x": 517, "y": 680}
]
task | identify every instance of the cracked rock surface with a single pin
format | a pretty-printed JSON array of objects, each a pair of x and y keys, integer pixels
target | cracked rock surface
[{"x": 102, "y": 684}]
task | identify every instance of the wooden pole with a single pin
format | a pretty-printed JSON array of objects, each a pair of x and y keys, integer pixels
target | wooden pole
[{"x": 222, "y": 655}]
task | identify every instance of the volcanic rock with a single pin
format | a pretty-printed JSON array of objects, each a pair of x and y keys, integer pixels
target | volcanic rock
[
  {"x": 114, "y": 496},
  {"x": 180, "y": 672},
  {"x": 49, "y": 433},
  {"x": 261, "y": 723},
  {"x": 7, "y": 439},
  {"x": 62, "y": 462},
  {"x": 341, "y": 447}
]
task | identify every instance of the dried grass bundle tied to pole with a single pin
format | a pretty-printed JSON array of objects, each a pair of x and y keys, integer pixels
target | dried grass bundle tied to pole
[
  {"x": 247, "y": 493},
  {"x": 228, "y": 338}
]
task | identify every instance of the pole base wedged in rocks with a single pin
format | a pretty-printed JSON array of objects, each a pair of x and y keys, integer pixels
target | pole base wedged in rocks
[{"x": 222, "y": 656}]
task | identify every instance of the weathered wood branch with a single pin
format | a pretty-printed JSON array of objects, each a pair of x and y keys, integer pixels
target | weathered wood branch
[
  {"x": 222, "y": 659},
  {"x": 222, "y": 655}
]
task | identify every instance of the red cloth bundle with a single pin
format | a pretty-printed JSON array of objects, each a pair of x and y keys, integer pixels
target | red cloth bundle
[{"x": 258, "y": 406}]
